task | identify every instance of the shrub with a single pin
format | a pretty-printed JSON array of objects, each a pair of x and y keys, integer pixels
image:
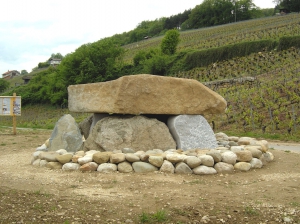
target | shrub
[
  {"x": 209, "y": 56},
  {"x": 169, "y": 42},
  {"x": 288, "y": 42}
]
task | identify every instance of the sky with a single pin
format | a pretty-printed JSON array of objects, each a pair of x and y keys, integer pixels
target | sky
[{"x": 31, "y": 30}]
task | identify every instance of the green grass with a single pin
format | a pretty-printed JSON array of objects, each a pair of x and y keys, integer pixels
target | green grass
[
  {"x": 250, "y": 211},
  {"x": 41, "y": 117},
  {"x": 145, "y": 218},
  {"x": 295, "y": 204},
  {"x": 195, "y": 182},
  {"x": 38, "y": 192},
  {"x": 38, "y": 207},
  {"x": 260, "y": 135},
  {"x": 158, "y": 217}
]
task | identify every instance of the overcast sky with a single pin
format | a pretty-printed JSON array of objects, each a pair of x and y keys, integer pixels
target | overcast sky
[{"x": 31, "y": 30}]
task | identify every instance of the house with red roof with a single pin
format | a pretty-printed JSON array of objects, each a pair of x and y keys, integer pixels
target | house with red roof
[{"x": 10, "y": 74}]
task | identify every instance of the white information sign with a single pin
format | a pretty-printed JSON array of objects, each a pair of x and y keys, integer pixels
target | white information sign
[{"x": 10, "y": 106}]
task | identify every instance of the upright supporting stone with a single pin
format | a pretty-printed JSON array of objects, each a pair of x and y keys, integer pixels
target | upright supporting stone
[
  {"x": 135, "y": 132},
  {"x": 192, "y": 131},
  {"x": 97, "y": 117},
  {"x": 66, "y": 135}
]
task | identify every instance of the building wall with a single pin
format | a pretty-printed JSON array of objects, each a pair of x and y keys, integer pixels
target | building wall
[{"x": 10, "y": 74}]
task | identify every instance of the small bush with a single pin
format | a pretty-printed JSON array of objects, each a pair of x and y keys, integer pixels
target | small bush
[
  {"x": 288, "y": 42},
  {"x": 209, "y": 56}
]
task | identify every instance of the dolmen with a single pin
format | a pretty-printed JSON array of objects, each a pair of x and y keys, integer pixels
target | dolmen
[
  {"x": 127, "y": 111},
  {"x": 147, "y": 123}
]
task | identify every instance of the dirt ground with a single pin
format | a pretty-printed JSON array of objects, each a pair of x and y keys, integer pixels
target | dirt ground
[{"x": 39, "y": 195}]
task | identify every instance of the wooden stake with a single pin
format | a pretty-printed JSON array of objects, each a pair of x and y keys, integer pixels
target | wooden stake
[{"x": 14, "y": 117}]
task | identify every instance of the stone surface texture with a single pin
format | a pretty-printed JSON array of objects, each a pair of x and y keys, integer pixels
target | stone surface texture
[
  {"x": 66, "y": 135},
  {"x": 145, "y": 94},
  {"x": 192, "y": 131},
  {"x": 135, "y": 132},
  {"x": 85, "y": 126}
]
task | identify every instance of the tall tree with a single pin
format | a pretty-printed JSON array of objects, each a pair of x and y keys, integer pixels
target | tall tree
[
  {"x": 210, "y": 13},
  {"x": 291, "y": 5},
  {"x": 93, "y": 62},
  {"x": 57, "y": 55},
  {"x": 24, "y": 72},
  {"x": 243, "y": 9},
  {"x": 3, "y": 85},
  {"x": 169, "y": 42}
]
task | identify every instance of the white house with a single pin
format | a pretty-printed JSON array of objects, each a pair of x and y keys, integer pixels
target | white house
[{"x": 54, "y": 61}]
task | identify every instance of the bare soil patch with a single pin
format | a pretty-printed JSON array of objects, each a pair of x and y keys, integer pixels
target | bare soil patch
[{"x": 38, "y": 195}]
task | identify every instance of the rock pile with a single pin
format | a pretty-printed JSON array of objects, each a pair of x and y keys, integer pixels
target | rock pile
[{"x": 232, "y": 153}]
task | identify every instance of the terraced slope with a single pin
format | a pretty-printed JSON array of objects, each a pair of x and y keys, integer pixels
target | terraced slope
[
  {"x": 270, "y": 103},
  {"x": 266, "y": 28}
]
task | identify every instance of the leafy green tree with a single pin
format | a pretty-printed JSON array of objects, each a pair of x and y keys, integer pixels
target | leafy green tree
[
  {"x": 35, "y": 68},
  {"x": 260, "y": 13},
  {"x": 3, "y": 85},
  {"x": 169, "y": 42},
  {"x": 57, "y": 55},
  {"x": 217, "y": 12},
  {"x": 24, "y": 72},
  {"x": 156, "y": 27},
  {"x": 175, "y": 21},
  {"x": 292, "y": 5},
  {"x": 243, "y": 9},
  {"x": 94, "y": 62},
  {"x": 210, "y": 13},
  {"x": 43, "y": 65},
  {"x": 157, "y": 65},
  {"x": 139, "y": 58}
]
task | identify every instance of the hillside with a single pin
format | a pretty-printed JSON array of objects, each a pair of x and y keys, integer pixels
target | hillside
[
  {"x": 18, "y": 80},
  {"x": 266, "y": 105},
  {"x": 217, "y": 36}
]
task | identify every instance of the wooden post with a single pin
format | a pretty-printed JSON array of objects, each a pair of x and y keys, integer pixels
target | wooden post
[{"x": 14, "y": 117}]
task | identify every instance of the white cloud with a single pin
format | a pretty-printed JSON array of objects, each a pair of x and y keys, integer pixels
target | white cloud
[
  {"x": 264, "y": 4},
  {"x": 31, "y": 30}
]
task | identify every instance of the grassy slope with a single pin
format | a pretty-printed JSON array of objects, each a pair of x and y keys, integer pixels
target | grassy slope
[
  {"x": 267, "y": 107},
  {"x": 17, "y": 81}
]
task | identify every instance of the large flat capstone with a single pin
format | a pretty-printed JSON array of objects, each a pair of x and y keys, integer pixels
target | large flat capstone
[{"x": 145, "y": 94}]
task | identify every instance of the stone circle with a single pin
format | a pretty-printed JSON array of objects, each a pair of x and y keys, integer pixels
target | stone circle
[{"x": 222, "y": 159}]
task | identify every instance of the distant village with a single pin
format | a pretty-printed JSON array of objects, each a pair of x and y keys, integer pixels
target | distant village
[{"x": 10, "y": 74}]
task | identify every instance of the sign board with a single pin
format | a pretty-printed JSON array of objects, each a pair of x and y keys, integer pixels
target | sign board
[{"x": 10, "y": 106}]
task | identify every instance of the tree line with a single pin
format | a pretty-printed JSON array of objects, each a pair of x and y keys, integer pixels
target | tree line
[
  {"x": 290, "y": 5},
  {"x": 208, "y": 13}
]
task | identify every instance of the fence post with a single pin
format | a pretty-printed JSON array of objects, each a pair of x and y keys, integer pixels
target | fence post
[{"x": 14, "y": 116}]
